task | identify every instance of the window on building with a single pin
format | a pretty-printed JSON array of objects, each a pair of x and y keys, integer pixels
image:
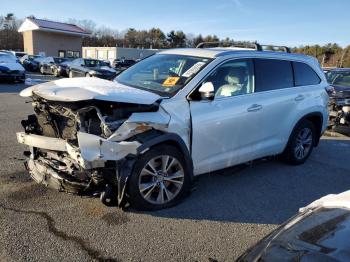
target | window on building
[{"x": 61, "y": 53}]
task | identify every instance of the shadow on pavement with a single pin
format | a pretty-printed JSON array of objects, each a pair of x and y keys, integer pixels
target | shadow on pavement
[
  {"x": 267, "y": 192},
  {"x": 11, "y": 87}
]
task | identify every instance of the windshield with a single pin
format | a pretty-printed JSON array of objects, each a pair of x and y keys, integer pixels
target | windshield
[
  {"x": 340, "y": 78},
  {"x": 59, "y": 60},
  {"x": 94, "y": 63},
  {"x": 163, "y": 73}
]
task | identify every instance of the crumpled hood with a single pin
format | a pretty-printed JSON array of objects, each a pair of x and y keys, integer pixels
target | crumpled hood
[{"x": 80, "y": 89}]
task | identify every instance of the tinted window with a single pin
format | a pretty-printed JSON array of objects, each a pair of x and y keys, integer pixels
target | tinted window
[
  {"x": 271, "y": 74},
  {"x": 305, "y": 75}
]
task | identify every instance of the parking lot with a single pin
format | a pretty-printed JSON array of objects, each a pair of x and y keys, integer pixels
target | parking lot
[{"x": 226, "y": 213}]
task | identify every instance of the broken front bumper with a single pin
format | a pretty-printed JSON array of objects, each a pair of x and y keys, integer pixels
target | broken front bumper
[
  {"x": 93, "y": 150},
  {"x": 91, "y": 155}
]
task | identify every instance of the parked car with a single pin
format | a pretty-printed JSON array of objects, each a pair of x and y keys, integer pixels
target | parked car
[
  {"x": 31, "y": 62},
  {"x": 143, "y": 137},
  {"x": 10, "y": 68},
  {"x": 319, "y": 232},
  {"x": 339, "y": 104},
  {"x": 81, "y": 67},
  {"x": 54, "y": 66},
  {"x": 122, "y": 64},
  {"x": 19, "y": 54}
]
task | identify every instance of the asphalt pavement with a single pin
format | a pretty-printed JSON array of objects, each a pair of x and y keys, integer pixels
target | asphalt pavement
[{"x": 226, "y": 213}]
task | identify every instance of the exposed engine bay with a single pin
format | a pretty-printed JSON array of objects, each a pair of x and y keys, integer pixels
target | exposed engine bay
[
  {"x": 83, "y": 147},
  {"x": 339, "y": 110}
]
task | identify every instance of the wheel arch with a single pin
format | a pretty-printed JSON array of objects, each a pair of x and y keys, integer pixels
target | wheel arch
[
  {"x": 155, "y": 138},
  {"x": 316, "y": 118}
]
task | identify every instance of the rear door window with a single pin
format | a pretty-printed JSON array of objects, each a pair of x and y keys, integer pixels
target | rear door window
[
  {"x": 271, "y": 74},
  {"x": 305, "y": 75}
]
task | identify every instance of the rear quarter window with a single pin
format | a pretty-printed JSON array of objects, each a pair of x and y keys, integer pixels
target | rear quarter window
[
  {"x": 305, "y": 75},
  {"x": 271, "y": 74}
]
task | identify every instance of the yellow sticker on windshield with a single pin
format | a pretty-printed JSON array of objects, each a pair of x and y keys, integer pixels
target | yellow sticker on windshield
[{"x": 171, "y": 81}]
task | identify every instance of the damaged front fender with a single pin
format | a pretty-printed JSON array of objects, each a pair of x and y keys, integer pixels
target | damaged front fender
[{"x": 141, "y": 122}]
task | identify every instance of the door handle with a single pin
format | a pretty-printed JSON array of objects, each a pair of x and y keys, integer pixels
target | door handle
[
  {"x": 254, "y": 108},
  {"x": 299, "y": 98}
]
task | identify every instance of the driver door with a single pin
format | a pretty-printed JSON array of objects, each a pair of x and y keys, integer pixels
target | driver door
[{"x": 226, "y": 129}]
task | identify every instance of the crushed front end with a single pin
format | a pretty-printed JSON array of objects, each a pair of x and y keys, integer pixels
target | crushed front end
[{"x": 83, "y": 147}]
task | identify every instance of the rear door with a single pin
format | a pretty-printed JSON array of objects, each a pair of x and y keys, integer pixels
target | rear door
[{"x": 274, "y": 88}]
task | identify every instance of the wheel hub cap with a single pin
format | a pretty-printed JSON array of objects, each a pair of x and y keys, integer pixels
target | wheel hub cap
[{"x": 161, "y": 179}]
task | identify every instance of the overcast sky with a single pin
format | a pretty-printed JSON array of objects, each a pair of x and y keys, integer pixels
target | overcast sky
[{"x": 285, "y": 22}]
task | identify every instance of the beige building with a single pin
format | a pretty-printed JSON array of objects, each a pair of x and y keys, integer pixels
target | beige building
[
  {"x": 111, "y": 53},
  {"x": 48, "y": 38}
]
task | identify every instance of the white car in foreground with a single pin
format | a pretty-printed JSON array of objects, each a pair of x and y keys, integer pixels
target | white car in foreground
[
  {"x": 319, "y": 232},
  {"x": 175, "y": 115},
  {"x": 10, "y": 68}
]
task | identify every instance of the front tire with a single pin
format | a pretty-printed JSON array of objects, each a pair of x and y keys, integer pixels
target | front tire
[
  {"x": 70, "y": 74},
  {"x": 42, "y": 70},
  {"x": 160, "y": 179},
  {"x": 300, "y": 144},
  {"x": 55, "y": 73}
]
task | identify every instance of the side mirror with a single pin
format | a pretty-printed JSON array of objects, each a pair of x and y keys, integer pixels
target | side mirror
[{"x": 207, "y": 91}]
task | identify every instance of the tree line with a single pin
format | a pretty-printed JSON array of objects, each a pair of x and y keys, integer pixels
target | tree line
[{"x": 328, "y": 55}]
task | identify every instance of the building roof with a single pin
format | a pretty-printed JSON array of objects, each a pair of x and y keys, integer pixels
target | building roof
[{"x": 31, "y": 24}]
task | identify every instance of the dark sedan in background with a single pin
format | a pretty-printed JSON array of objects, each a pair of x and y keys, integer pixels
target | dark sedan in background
[
  {"x": 54, "y": 66},
  {"x": 122, "y": 64},
  {"x": 81, "y": 67},
  {"x": 31, "y": 62},
  {"x": 10, "y": 69},
  {"x": 339, "y": 102}
]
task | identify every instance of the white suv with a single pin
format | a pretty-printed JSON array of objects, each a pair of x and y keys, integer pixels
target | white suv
[{"x": 177, "y": 114}]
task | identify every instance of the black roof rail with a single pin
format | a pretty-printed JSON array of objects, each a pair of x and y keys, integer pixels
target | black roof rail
[
  {"x": 256, "y": 46},
  {"x": 282, "y": 47}
]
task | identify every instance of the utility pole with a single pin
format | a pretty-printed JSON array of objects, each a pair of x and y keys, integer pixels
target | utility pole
[{"x": 342, "y": 57}]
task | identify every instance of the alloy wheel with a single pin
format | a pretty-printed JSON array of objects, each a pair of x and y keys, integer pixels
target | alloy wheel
[
  {"x": 303, "y": 144},
  {"x": 161, "y": 179}
]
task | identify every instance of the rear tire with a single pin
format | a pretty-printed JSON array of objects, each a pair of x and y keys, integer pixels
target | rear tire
[
  {"x": 300, "y": 144},
  {"x": 160, "y": 179},
  {"x": 70, "y": 74},
  {"x": 87, "y": 75}
]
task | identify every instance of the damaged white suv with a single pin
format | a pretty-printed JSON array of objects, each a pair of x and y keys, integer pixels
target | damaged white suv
[{"x": 180, "y": 113}]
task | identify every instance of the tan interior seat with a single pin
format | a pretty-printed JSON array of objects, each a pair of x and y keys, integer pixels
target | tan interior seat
[{"x": 234, "y": 83}]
